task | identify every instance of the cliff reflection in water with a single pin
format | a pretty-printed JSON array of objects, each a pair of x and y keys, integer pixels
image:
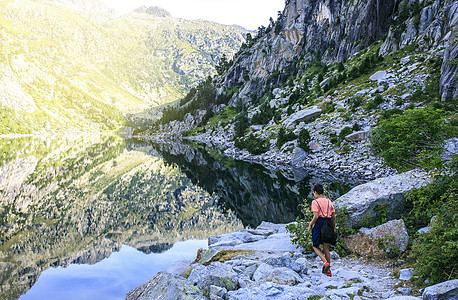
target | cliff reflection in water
[
  {"x": 67, "y": 201},
  {"x": 255, "y": 193}
]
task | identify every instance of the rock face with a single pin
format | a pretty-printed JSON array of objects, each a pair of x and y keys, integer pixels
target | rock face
[
  {"x": 444, "y": 290},
  {"x": 387, "y": 194},
  {"x": 387, "y": 239}
]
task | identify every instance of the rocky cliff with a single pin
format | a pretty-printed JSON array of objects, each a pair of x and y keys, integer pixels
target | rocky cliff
[{"x": 328, "y": 69}]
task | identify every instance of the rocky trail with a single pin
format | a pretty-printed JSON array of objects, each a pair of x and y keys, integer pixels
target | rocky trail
[{"x": 262, "y": 263}]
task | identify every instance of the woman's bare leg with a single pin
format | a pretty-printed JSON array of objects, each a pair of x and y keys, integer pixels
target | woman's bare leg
[
  {"x": 320, "y": 254},
  {"x": 327, "y": 254}
]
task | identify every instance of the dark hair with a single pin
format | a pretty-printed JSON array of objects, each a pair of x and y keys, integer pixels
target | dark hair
[{"x": 318, "y": 188}]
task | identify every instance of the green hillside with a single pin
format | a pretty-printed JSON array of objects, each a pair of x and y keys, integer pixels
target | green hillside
[{"x": 64, "y": 69}]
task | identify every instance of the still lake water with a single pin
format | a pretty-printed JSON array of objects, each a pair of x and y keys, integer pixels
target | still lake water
[{"x": 94, "y": 217}]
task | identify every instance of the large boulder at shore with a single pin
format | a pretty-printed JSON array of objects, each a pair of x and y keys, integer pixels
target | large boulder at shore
[
  {"x": 443, "y": 290},
  {"x": 365, "y": 201},
  {"x": 163, "y": 285},
  {"x": 389, "y": 239}
]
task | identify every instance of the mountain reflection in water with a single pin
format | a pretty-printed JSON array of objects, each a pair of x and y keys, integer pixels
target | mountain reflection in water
[{"x": 78, "y": 200}]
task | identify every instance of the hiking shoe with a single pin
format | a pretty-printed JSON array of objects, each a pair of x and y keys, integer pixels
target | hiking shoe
[
  {"x": 328, "y": 274},
  {"x": 326, "y": 268}
]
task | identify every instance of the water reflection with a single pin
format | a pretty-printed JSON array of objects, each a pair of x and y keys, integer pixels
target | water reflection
[
  {"x": 78, "y": 200},
  {"x": 111, "y": 278},
  {"x": 255, "y": 193}
]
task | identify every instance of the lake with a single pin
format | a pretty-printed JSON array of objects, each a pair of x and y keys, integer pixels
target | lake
[{"x": 95, "y": 216}]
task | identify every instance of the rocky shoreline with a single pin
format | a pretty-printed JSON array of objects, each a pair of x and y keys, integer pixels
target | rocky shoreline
[{"x": 262, "y": 263}]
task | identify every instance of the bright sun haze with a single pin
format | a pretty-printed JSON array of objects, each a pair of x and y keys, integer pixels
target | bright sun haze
[{"x": 247, "y": 13}]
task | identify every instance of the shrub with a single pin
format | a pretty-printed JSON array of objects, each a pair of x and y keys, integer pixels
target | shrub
[
  {"x": 303, "y": 139},
  {"x": 344, "y": 132},
  {"x": 328, "y": 107},
  {"x": 435, "y": 252},
  {"x": 356, "y": 102},
  {"x": 284, "y": 137},
  {"x": 386, "y": 114},
  {"x": 413, "y": 139},
  {"x": 241, "y": 123},
  {"x": 253, "y": 144}
]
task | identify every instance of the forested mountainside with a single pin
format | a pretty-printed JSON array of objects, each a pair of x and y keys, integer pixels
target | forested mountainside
[
  {"x": 76, "y": 65},
  {"x": 322, "y": 71}
]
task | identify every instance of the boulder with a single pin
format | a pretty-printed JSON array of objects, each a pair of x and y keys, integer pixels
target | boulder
[
  {"x": 389, "y": 238},
  {"x": 217, "y": 274},
  {"x": 358, "y": 136},
  {"x": 284, "y": 276},
  {"x": 405, "y": 274},
  {"x": 299, "y": 155},
  {"x": 364, "y": 201},
  {"x": 163, "y": 285},
  {"x": 450, "y": 149},
  {"x": 443, "y": 290},
  {"x": 180, "y": 268},
  {"x": 305, "y": 115}
]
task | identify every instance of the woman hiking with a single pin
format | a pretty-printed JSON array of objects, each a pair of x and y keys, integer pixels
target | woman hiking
[{"x": 322, "y": 209}]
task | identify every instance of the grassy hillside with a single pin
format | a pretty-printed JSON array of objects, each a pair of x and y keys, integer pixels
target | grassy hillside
[{"x": 64, "y": 69}]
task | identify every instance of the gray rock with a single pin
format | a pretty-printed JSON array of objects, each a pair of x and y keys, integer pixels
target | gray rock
[
  {"x": 305, "y": 115},
  {"x": 163, "y": 285},
  {"x": 273, "y": 291},
  {"x": 216, "y": 273},
  {"x": 299, "y": 155},
  {"x": 180, "y": 268},
  {"x": 207, "y": 255},
  {"x": 262, "y": 272},
  {"x": 404, "y": 290},
  {"x": 389, "y": 238},
  {"x": 358, "y": 136},
  {"x": 424, "y": 229},
  {"x": 217, "y": 293},
  {"x": 378, "y": 75},
  {"x": 361, "y": 93},
  {"x": 284, "y": 261},
  {"x": 406, "y": 96},
  {"x": 450, "y": 148},
  {"x": 284, "y": 276},
  {"x": 405, "y": 60},
  {"x": 444, "y": 290},
  {"x": 405, "y": 274},
  {"x": 404, "y": 298},
  {"x": 362, "y": 201}
]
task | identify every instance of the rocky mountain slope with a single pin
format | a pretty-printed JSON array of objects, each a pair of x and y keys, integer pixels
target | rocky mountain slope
[
  {"x": 309, "y": 89},
  {"x": 75, "y": 64}
]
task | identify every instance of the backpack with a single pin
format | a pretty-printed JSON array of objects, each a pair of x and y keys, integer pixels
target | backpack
[{"x": 328, "y": 235}]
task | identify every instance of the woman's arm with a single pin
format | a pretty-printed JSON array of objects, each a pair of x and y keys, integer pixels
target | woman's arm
[{"x": 315, "y": 217}]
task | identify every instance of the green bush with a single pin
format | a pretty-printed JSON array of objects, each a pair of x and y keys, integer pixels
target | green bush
[
  {"x": 303, "y": 139},
  {"x": 241, "y": 123},
  {"x": 253, "y": 144},
  {"x": 344, "y": 132},
  {"x": 300, "y": 236},
  {"x": 284, "y": 137},
  {"x": 413, "y": 139},
  {"x": 435, "y": 253},
  {"x": 356, "y": 102}
]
